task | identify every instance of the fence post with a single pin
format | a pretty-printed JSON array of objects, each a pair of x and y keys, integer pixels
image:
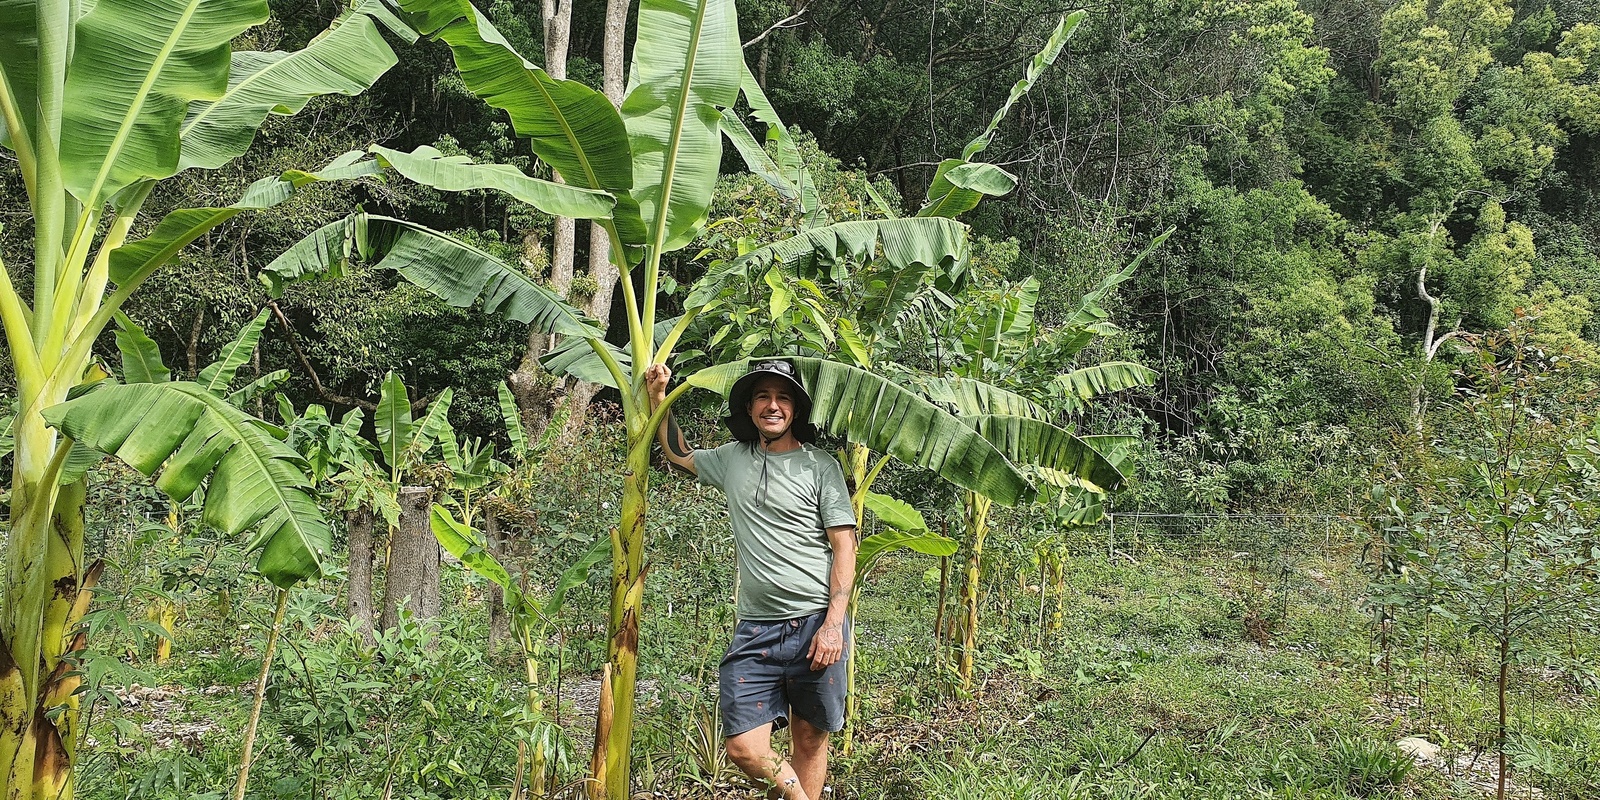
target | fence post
[{"x": 1111, "y": 541}]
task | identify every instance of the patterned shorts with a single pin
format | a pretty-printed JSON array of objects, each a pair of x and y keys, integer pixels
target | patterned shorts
[{"x": 766, "y": 676}]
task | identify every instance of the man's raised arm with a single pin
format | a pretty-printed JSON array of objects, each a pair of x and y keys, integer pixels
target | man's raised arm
[{"x": 673, "y": 444}]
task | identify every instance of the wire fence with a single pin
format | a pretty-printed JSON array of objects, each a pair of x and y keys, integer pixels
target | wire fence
[{"x": 1311, "y": 559}]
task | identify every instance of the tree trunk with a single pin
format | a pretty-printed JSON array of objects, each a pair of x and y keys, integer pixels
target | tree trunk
[
  {"x": 601, "y": 270},
  {"x": 536, "y": 391},
  {"x": 499, "y": 619},
  {"x": 359, "y": 523},
  {"x": 413, "y": 576},
  {"x": 613, "y": 739}
]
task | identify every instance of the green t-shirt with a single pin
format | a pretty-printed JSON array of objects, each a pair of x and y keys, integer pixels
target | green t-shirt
[{"x": 779, "y": 523}]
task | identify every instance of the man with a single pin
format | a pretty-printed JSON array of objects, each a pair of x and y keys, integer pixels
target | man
[{"x": 796, "y": 539}]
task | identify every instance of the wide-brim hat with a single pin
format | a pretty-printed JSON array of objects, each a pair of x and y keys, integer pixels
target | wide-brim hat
[{"x": 738, "y": 419}]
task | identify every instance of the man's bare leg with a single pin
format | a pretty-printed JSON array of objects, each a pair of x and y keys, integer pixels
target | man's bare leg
[
  {"x": 810, "y": 756},
  {"x": 752, "y": 751}
]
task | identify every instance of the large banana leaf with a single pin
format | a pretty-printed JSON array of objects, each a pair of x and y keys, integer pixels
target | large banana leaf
[
  {"x": 136, "y": 66},
  {"x": 346, "y": 59},
  {"x": 869, "y": 410},
  {"x": 427, "y": 166},
  {"x": 190, "y": 434},
  {"x": 1030, "y": 441},
  {"x": 457, "y": 272},
  {"x": 934, "y": 241},
  {"x": 1082, "y": 385},
  {"x": 974, "y": 398},
  {"x": 571, "y": 127},
  {"x": 219, "y": 374},
  {"x": 686, "y": 68},
  {"x": 19, "y": 70}
]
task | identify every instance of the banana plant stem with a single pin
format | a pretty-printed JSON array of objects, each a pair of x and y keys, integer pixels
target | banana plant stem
[{"x": 261, "y": 693}]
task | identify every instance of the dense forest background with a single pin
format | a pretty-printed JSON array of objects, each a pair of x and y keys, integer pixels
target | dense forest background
[
  {"x": 1315, "y": 158},
  {"x": 1381, "y": 285}
]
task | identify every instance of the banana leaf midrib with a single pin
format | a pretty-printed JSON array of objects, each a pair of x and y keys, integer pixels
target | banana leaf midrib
[
  {"x": 669, "y": 166},
  {"x": 114, "y": 152},
  {"x": 291, "y": 521}
]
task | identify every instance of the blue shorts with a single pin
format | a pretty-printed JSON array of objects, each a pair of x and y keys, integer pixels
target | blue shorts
[{"x": 766, "y": 677}]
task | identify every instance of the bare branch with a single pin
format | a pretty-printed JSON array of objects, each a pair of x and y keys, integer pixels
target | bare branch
[
  {"x": 316, "y": 382},
  {"x": 791, "y": 21}
]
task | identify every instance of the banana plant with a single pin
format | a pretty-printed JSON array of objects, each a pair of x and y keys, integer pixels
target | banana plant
[
  {"x": 404, "y": 443},
  {"x": 99, "y": 103},
  {"x": 645, "y": 172},
  {"x": 142, "y": 363},
  {"x": 992, "y": 338},
  {"x": 530, "y": 623},
  {"x": 907, "y": 529}
]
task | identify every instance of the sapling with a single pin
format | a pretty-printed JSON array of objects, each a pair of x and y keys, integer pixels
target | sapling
[{"x": 1500, "y": 540}]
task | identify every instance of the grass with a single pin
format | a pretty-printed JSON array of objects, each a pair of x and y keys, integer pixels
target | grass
[{"x": 1177, "y": 672}]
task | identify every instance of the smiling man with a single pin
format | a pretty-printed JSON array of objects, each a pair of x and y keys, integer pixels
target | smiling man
[{"x": 795, "y": 533}]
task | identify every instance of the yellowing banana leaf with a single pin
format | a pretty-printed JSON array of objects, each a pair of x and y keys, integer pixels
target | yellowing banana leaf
[{"x": 1030, "y": 441}]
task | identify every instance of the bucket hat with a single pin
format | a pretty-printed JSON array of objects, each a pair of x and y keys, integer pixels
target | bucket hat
[{"x": 738, "y": 419}]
